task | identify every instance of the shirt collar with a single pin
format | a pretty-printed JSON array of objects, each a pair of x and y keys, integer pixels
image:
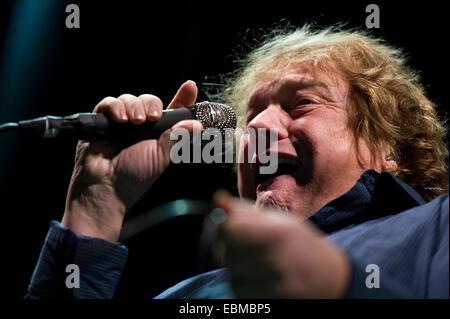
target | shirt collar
[{"x": 373, "y": 196}]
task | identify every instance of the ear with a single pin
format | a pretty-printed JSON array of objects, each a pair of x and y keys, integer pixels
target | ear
[{"x": 389, "y": 164}]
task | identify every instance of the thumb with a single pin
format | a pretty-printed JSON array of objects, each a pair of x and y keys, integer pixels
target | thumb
[{"x": 185, "y": 96}]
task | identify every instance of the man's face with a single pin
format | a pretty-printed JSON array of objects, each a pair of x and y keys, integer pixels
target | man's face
[{"x": 317, "y": 155}]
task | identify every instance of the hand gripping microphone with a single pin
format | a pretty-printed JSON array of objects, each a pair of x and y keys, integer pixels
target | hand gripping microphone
[{"x": 98, "y": 126}]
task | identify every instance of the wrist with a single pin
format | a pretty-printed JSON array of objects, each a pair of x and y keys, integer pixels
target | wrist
[{"x": 94, "y": 212}]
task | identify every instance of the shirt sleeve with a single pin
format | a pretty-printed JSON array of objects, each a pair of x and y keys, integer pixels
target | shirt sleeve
[{"x": 75, "y": 266}]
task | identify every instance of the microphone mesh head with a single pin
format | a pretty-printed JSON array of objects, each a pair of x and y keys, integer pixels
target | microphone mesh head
[{"x": 217, "y": 115}]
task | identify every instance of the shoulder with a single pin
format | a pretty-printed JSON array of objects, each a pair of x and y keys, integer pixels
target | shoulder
[
  {"x": 431, "y": 216},
  {"x": 414, "y": 235},
  {"x": 410, "y": 247}
]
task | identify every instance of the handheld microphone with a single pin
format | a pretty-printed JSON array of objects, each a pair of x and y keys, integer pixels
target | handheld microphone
[{"x": 98, "y": 126}]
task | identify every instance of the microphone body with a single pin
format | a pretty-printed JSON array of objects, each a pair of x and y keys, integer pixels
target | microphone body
[{"x": 98, "y": 126}]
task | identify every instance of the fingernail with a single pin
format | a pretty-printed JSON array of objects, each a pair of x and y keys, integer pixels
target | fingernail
[
  {"x": 123, "y": 115},
  {"x": 139, "y": 114},
  {"x": 191, "y": 82},
  {"x": 221, "y": 197},
  {"x": 152, "y": 112}
]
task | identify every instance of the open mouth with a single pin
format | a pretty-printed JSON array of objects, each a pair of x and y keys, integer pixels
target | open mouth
[{"x": 286, "y": 166}]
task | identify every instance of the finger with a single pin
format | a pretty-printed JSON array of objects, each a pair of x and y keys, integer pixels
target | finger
[
  {"x": 240, "y": 208},
  {"x": 134, "y": 108},
  {"x": 185, "y": 96},
  {"x": 185, "y": 128},
  {"x": 227, "y": 202},
  {"x": 246, "y": 223},
  {"x": 115, "y": 108},
  {"x": 153, "y": 106},
  {"x": 249, "y": 224}
]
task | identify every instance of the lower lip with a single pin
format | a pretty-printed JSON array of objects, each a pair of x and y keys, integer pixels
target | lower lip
[{"x": 262, "y": 186}]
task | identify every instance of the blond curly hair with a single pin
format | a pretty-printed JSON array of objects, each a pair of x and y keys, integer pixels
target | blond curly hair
[{"x": 391, "y": 108}]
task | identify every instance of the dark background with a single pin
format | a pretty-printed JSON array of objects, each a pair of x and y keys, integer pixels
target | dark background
[{"x": 152, "y": 47}]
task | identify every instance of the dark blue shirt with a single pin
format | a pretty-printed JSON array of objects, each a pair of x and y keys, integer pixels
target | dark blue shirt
[{"x": 397, "y": 244}]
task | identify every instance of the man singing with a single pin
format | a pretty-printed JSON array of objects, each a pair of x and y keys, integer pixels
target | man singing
[{"x": 358, "y": 209}]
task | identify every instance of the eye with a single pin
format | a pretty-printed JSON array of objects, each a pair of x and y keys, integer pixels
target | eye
[{"x": 304, "y": 102}]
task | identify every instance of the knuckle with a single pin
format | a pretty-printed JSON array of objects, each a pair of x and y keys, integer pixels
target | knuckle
[
  {"x": 128, "y": 98},
  {"x": 131, "y": 102},
  {"x": 150, "y": 98},
  {"x": 108, "y": 100},
  {"x": 106, "y": 103},
  {"x": 151, "y": 101}
]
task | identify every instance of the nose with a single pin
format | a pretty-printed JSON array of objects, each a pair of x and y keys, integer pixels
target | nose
[{"x": 273, "y": 117}]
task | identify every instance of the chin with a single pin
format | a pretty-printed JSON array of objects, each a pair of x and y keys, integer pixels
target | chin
[{"x": 274, "y": 199}]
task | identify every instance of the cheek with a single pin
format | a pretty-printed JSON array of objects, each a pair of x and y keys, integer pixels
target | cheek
[{"x": 325, "y": 141}]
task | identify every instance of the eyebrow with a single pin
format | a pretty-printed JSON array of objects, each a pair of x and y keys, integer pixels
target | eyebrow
[{"x": 291, "y": 84}]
